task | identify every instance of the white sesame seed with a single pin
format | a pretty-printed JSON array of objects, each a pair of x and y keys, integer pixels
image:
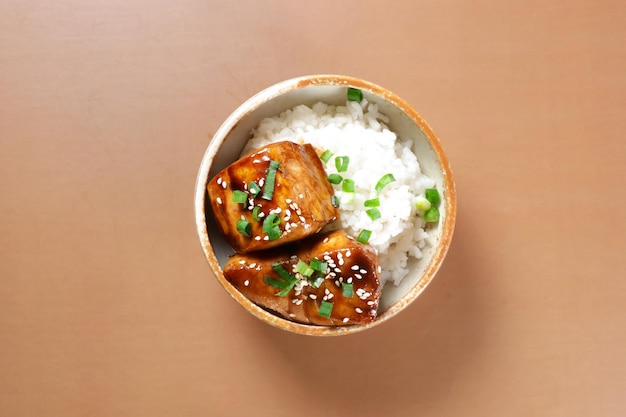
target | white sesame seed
[
  {"x": 219, "y": 180},
  {"x": 292, "y": 315},
  {"x": 257, "y": 238},
  {"x": 363, "y": 271},
  {"x": 338, "y": 270},
  {"x": 327, "y": 257},
  {"x": 252, "y": 265},
  {"x": 277, "y": 210},
  {"x": 294, "y": 300},
  {"x": 332, "y": 274},
  {"x": 246, "y": 283},
  {"x": 340, "y": 261},
  {"x": 302, "y": 219},
  {"x": 287, "y": 227},
  {"x": 326, "y": 291},
  {"x": 345, "y": 319},
  {"x": 299, "y": 301},
  {"x": 261, "y": 182},
  {"x": 379, "y": 269},
  {"x": 325, "y": 241},
  {"x": 288, "y": 200},
  {"x": 287, "y": 212},
  {"x": 370, "y": 303},
  {"x": 224, "y": 185},
  {"x": 330, "y": 296},
  {"x": 313, "y": 296},
  {"x": 358, "y": 276},
  {"x": 294, "y": 224},
  {"x": 354, "y": 267},
  {"x": 337, "y": 283},
  {"x": 300, "y": 195},
  {"x": 219, "y": 200},
  {"x": 348, "y": 253},
  {"x": 261, "y": 215},
  {"x": 358, "y": 310},
  {"x": 349, "y": 280},
  {"x": 266, "y": 238},
  {"x": 242, "y": 262}
]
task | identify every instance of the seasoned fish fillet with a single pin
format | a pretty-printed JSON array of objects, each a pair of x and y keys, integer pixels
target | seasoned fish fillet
[
  {"x": 301, "y": 197},
  {"x": 349, "y": 284}
]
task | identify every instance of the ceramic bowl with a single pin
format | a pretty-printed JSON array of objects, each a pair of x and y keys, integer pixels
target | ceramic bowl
[{"x": 228, "y": 143}]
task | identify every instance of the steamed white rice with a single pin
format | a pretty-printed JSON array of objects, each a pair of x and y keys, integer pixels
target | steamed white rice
[{"x": 359, "y": 131}]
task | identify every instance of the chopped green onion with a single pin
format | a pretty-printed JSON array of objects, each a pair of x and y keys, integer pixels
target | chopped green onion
[
  {"x": 422, "y": 204},
  {"x": 326, "y": 155},
  {"x": 283, "y": 273},
  {"x": 354, "y": 94},
  {"x": 335, "y": 178},
  {"x": 431, "y": 215},
  {"x": 317, "y": 282},
  {"x": 270, "y": 178},
  {"x": 288, "y": 280},
  {"x": 335, "y": 201},
  {"x": 244, "y": 227},
  {"x": 347, "y": 198},
  {"x": 383, "y": 182},
  {"x": 240, "y": 197},
  {"x": 373, "y": 213},
  {"x": 364, "y": 236},
  {"x": 255, "y": 213},
  {"x": 373, "y": 202},
  {"x": 432, "y": 195},
  {"x": 254, "y": 188},
  {"x": 270, "y": 221},
  {"x": 341, "y": 163},
  {"x": 280, "y": 284},
  {"x": 347, "y": 290},
  {"x": 325, "y": 309},
  {"x": 347, "y": 186},
  {"x": 303, "y": 268},
  {"x": 274, "y": 233},
  {"x": 318, "y": 265}
]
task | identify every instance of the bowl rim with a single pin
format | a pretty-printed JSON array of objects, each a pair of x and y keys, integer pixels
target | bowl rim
[{"x": 275, "y": 90}]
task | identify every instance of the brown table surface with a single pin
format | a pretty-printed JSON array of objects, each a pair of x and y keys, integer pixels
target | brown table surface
[{"x": 108, "y": 307}]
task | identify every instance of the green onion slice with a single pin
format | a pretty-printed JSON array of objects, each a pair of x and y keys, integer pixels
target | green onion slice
[
  {"x": 318, "y": 265},
  {"x": 432, "y": 195},
  {"x": 276, "y": 283},
  {"x": 255, "y": 213},
  {"x": 347, "y": 290},
  {"x": 325, "y": 309},
  {"x": 303, "y": 268},
  {"x": 244, "y": 227},
  {"x": 282, "y": 272},
  {"x": 373, "y": 213},
  {"x": 422, "y": 204},
  {"x": 383, "y": 182},
  {"x": 431, "y": 215},
  {"x": 347, "y": 186},
  {"x": 240, "y": 197},
  {"x": 354, "y": 94},
  {"x": 335, "y": 178},
  {"x": 270, "y": 222},
  {"x": 372, "y": 202},
  {"x": 254, "y": 188},
  {"x": 274, "y": 233},
  {"x": 326, "y": 155},
  {"x": 364, "y": 236},
  {"x": 270, "y": 178},
  {"x": 317, "y": 282},
  {"x": 335, "y": 201},
  {"x": 341, "y": 163}
]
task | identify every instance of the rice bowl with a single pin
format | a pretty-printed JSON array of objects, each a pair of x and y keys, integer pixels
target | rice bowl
[{"x": 381, "y": 109}]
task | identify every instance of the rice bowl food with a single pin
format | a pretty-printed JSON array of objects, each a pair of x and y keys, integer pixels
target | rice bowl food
[
  {"x": 358, "y": 130},
  {"x": 378, "y": 163}
]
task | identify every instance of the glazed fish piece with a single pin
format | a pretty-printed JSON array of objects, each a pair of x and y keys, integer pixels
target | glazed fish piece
[
  {"x": 272, "y": 196},
  {"x": 345, "y": 292}
]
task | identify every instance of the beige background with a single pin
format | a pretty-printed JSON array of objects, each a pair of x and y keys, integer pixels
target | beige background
[{"x": 108, "y": 308}]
